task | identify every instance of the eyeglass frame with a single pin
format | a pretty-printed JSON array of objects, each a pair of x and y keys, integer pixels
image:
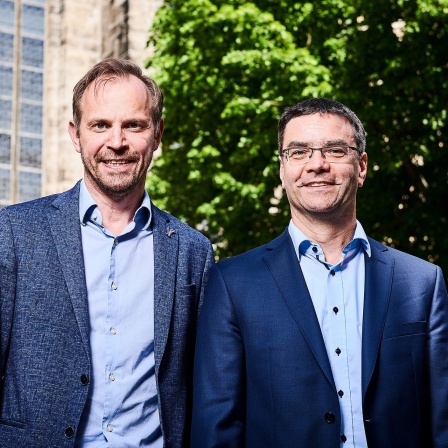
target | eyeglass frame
[{"x": 353, "y": 148}]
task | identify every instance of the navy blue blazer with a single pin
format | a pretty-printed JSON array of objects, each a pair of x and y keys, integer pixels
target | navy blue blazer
[
  {"x": 262, "y": 375},
  {"x": 44, "y": 325}
]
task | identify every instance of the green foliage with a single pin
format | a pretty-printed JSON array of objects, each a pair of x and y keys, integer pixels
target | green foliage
[{"x": 228, "y": 69}]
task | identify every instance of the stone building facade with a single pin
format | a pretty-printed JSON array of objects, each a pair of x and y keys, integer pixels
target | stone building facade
[{"x": 46, "y": 46}]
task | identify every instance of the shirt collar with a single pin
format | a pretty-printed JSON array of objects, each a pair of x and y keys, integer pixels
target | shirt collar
[
  {"x": 88, "y": 209},
  {"x": 302, "y": 243}
]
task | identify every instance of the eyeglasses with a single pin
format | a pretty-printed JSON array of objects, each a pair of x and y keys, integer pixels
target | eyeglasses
[{"x": 333, "y": 154}]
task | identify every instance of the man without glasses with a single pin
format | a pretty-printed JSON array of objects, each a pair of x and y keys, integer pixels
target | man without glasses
[
  {"x": 99, "y": 289},
  {"x": 323, "y": 337}
]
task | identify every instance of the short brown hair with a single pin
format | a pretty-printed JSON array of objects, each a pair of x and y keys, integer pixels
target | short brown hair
[
  {"x": 322, "y": 106},
  {"x": 112, "y": 68}
]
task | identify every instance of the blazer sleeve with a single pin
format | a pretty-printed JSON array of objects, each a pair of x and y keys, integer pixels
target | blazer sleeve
[
  {"x": 438, "y": 363},
  {"x": 209, "y": 260},
  {"x": 7, "y": 288},
  {"x": 219, "y": 375}
]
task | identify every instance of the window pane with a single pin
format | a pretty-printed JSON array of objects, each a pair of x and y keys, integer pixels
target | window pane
[
  {"x": 31, "y": 85},
  {"x": 7, "y": 15},
  {"x": 30, "y": 118},
  {"x": 30, "y": 152},
  {"x": 5, "y": 114},
  {"x": 4, "y": 184},
  {"x": 6, "y": 47},
  {"x": 33, "y": 20},
  {"x": 6, "y": 81},
  {"x": 32, "y": 52},
  {"x": 29, "y": 186},
  {"x": 5, "y": 148}
]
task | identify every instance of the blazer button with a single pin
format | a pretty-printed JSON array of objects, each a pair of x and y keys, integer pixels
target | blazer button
[
  {"x": 84, "y": 379},
  {"x": 69, "y": 431},
  {"x": 329, "y": 418}
]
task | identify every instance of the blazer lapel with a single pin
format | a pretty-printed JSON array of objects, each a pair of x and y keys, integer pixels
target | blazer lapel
[
  {"x": 285, "y": 269},
  {"x": 378, "y": 283},
  {"x": 166, "y": 246},
  {"x": 63, "y": 218}
]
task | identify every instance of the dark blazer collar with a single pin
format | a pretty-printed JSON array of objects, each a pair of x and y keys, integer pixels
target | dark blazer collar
[
  {"x": 63, "y": 218},
  {"x": 65, "y": 226},
  {"x": 284, "y": 267},
  {"x": 166, "y": 250},
  {"x": 379, "y": 272}
]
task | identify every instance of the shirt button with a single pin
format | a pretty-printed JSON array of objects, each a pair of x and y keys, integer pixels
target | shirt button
[
  {"x": 314, "y": 249},
  {"x": 84, "y": 379},
  {"x": 114, "y": 286},
  {"x": 335, "y": 309},
  {"x": 329, "y": 418},
  {"x": 69, "y": 431},
  {"x": 112, "y": 377},
  {"x": 341, "y": 393},
  {"x": 332, "y": 273},
  {"x": 338, "y": 351},
  {"x": 113, "y": 331},
  {"x": 109, "y": 428},
  {"x": 115, "y": 242},
  {"x": 343, "y": 438}
]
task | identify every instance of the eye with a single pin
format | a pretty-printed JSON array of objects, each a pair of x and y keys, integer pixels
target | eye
[
  {"x": 136, "y": 126},
  {"x": 336, "y": 150},
  {"x": 298, "y": 152},
  {"x": 99, "y": 126}
]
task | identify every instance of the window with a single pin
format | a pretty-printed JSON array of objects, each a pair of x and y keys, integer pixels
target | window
[{"x": 22, "y": 24}]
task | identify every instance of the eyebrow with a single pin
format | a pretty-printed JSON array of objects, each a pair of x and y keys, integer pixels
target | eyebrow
[{"x": 296, "y": 143}]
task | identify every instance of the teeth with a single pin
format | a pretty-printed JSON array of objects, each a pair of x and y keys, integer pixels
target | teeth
[
  {"x": 318, "y": 184},
  {"x": 116, "y": 162}
]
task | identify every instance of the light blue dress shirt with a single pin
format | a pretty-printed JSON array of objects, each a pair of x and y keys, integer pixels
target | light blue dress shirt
[
  {"x": 122, "y": 407},
  {"x": 337, "y": 292}
]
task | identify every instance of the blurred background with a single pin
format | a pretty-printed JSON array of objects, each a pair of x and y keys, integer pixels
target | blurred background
[{"x": 227, "y": 70}]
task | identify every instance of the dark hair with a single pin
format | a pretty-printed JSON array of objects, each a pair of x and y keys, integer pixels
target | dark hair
[
  {"x": 112, "y": 68},
  {"x": 322, "y": 106}
]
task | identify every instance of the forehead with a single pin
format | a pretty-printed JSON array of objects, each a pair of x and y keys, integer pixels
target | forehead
[
  {"x": 116, "y": 93},
  {"x": 318, "y": 129}
]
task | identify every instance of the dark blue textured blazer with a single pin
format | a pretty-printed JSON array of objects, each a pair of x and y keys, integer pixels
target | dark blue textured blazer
[
  {"x": 262, "y": 374},
  {"x": 44, "y": 325}
]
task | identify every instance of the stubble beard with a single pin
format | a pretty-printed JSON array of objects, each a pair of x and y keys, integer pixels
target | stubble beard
[{"x": 118, "y": 185}]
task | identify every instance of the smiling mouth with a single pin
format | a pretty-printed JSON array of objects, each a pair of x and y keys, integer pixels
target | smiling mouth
[
  {"x": 116, "y": 162},
  {"x": 318, "y": 184}
]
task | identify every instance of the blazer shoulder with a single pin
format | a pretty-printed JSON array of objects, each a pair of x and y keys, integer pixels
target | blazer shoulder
[
  {"x": 166, "y": 223},
  {"x": 403, "y": 260},
  {"x": 29, "y": 212},
  {"x": 252, "y": 258}
]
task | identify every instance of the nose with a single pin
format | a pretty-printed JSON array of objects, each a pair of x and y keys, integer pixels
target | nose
[
  {"x": 117, "y": 138},
  {"x": 317, "y": 161}
]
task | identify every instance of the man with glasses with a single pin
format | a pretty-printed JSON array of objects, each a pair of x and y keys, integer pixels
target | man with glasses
[{"x": 323, "y": 337}]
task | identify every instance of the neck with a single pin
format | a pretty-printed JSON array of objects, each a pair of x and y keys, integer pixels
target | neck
[
  {"x": 331, "y": 234},
  {"x": 117, "y": 212}
]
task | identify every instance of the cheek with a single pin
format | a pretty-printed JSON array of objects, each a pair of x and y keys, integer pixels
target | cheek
[
  {"x": 144, "y": 146},
  {"x": 290, "y": 176},
  {"x": 92, "y": 144}
]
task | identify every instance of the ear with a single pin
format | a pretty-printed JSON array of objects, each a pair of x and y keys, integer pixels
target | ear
[
  {"x": 74, "y": 135},
  {"x": 282, "y": 171},
  {"x": 158, "y": 137},
  {"x": 362, "y": 169}
]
